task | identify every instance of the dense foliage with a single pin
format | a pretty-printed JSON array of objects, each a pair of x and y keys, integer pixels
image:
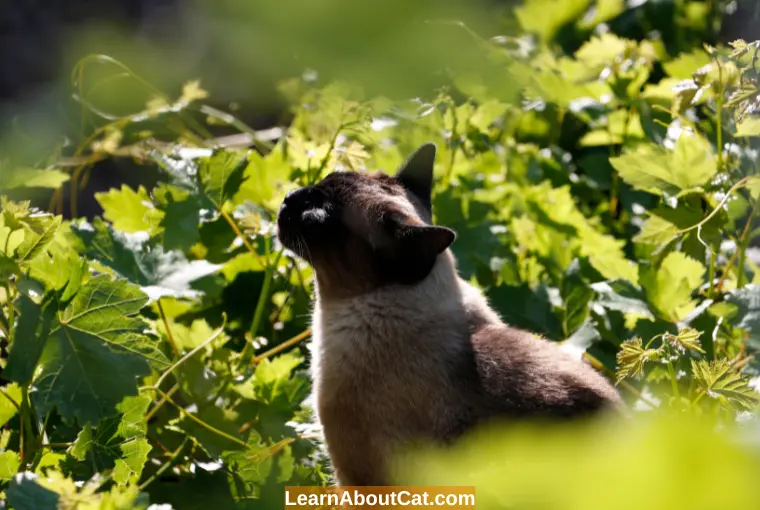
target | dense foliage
[{"x": 603, "y": 187}]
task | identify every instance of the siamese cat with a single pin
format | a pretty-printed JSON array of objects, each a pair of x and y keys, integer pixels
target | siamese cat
[{"x": 403, "y": 348}]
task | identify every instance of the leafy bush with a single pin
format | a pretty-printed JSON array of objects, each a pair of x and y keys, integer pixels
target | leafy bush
[{"x": 603, "y": 186}]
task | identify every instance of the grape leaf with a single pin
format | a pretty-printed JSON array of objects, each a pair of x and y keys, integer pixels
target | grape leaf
[
  {"x": 134, "y": 456},
  {"x": 26, "y": 494},
  {"x": 576, "y": 295},
  {"x": 128, "y": 210},
  {"x": 719, "y": 381},
  {"x": 39, "y": 232},
  {"x": 252, "y": 465},
  {"x": 221, "y": 175},
  {"x": 9, "y": 409},
  {"x": 158, "y": 272},
  {"x": 34, "y": 325},
  {"x": 670, "y": 287},
  {"x": 11, "y": 178},
  {"x": 632, "y": 357},
  {"x": 747, "y": 316},
  {"x": 116, "y": 443},
  {"x": 9, "y": 464},
  {"x": 96, "y": 352},
  {"x": 689, "y": 165}
]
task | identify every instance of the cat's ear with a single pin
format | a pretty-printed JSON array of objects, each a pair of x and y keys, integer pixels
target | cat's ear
[
  {"x": 416, "y": 173},
  {"x": 432, "y": 239},
  {"x": 412, "y": 255},
  {"x": 419, "y": 238}
]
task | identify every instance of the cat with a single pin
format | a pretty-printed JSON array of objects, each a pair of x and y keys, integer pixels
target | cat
[{"x": 403, "y": 348}]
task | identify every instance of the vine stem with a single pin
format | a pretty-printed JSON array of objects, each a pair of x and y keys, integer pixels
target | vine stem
[
  {"x": 720, "y": 205},
  {"x": 169, "y": 334},
  {"x": 197, "y": 420},
  {"x": 674, "y": 383},
  {"x": 258, "y": 314},
  {"x": 600, "y": 366},
  {"x": 15, "y": 404},
  {"x": 719, "y": 120},
  {"x": 191, "y": 353},
  {"x": 240, "y": 234},
  {"x": 284, "y": 345},
  {"x": 166, "y": 465},
  {"x": 161, "y": 403},
  {"x": 741, "y": 246}
]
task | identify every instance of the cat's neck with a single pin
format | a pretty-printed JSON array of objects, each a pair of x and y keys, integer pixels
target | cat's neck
[{"x": 442, "y": 297}]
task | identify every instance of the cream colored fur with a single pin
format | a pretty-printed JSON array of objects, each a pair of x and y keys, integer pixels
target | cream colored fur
[{"x": 379, "y": 346}]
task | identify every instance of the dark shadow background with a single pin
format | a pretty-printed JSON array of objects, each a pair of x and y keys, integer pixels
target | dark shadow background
[{"x": 240, "y": 53}]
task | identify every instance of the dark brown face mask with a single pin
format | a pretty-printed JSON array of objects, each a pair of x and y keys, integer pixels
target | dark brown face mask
[{"x": 362, "y": 231}]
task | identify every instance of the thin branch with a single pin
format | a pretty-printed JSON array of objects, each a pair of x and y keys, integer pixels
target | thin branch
[
  {"x": 169, "y": 334},
  {"x": 284, "y": 345},
  {"x": 160, "y": 403},
  {"x": 197, "y": 420},
  {"x": 191, "y": 353},
  {"x": 166, "y": 465}
]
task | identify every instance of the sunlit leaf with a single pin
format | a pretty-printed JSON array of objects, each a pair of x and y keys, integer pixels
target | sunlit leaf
[{"x": 719, "y": 381}]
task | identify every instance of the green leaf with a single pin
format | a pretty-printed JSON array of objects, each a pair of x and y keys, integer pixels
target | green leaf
[
  {"x": 273, "y": 381},
  {"x": 83, "y": 443},
  {"x": 96, "y": 352},
  {"x": 252, "y": 465},
  {"x": 265, "y": 179},
  {"x": 656, "y": 230},
  {"x": 747, "y": 316},
  {"x": 669, "y": 288},
  {"x": 632, "y": 357},
  {"x": 224, "y": 420},
  {"x": 134, "y": 456},
  {"x": 27, "y": 494},
  {"x": 9, "y": 464},
  {"x": 117, "y": 443},
  {"x": 748, "y": 126},
  {"x": 7, "y": 408},
  {"x": 686, "y": 340},
  {"x": 221, "y": 175},
  {"x": 718, "y": 380},
  {"x": 12, "y": 178},
  {"x": 128, "y": 210},
  {"x": 527, "y": 308},
  {"x": 39, "y": 232},
  {"x": 546, "y": 17},
  {"x": 34, "y": 326},
  {"x": 691, "y": 164},
  {"x": 686, "y": 64},
  {"x": 159, "y": 273},
  {"x": 49, "y": 460},
  {"x": 576, "y": 295},
  {"x": 180, "y": 223}
]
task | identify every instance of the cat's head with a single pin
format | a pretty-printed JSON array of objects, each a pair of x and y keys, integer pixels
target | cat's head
[{"x": 362, "y": 231}]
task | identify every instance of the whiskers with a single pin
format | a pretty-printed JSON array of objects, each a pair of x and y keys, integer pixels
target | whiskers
[{"x": 303, "y": 248}]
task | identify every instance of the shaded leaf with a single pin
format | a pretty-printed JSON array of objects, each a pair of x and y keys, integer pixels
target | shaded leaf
[
  {"x": 27, "y": 494},
  {"x": 34, "y": 326}
]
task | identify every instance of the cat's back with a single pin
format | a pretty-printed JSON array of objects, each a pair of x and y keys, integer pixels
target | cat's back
[{"x": 518, "y": 374}]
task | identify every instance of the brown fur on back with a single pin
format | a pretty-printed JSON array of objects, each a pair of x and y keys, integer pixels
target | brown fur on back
[{"x": 404, "y": 350}]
